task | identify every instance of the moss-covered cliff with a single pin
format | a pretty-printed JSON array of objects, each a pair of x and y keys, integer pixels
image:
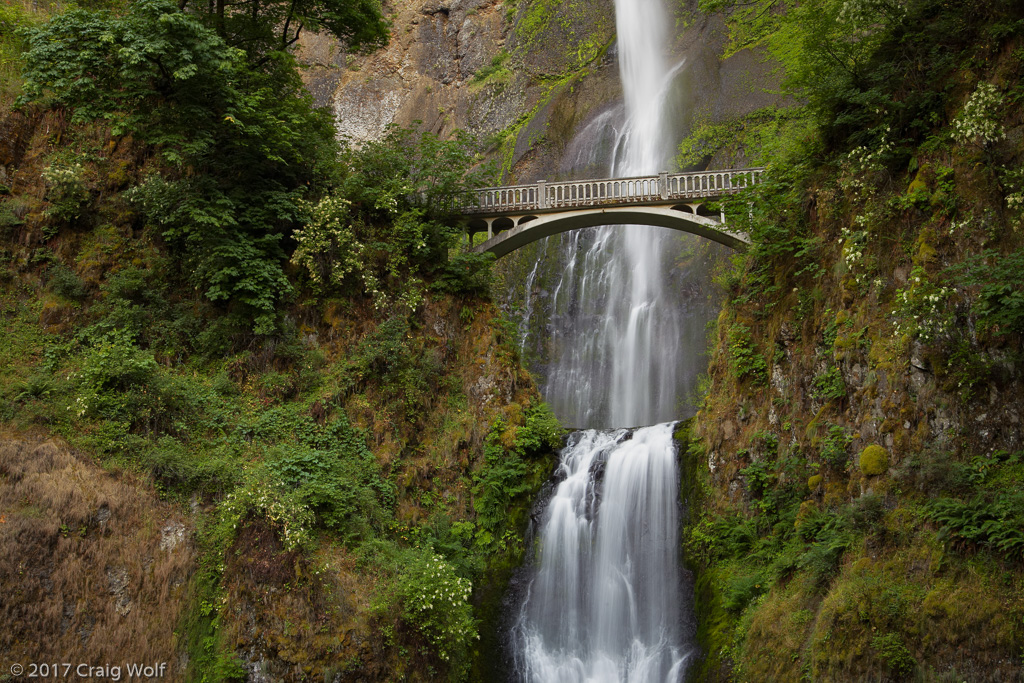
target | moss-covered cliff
[
  {"x": 855, "y": 509},
  {"x": 277, "y": 499}
]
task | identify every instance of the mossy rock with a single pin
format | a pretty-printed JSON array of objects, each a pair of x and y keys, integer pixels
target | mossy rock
[
  {"x": 874, "y": 460},
  {"x": 807, "y": 508},
  {"x": 814, "y": 482}
]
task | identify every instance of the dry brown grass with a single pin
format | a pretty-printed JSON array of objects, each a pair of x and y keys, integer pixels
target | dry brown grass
[{"x": 85, "y": 568}]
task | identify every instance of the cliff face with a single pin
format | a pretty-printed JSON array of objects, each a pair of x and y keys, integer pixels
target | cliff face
[
  {"x": 526, "y": 77},
  {"x": 415, "y": 433},
  {"x": 477, "y": 66},
  {"x": 858, "y": 455}
]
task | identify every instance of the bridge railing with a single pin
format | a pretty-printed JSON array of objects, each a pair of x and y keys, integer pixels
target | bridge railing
[{"x": 663, "y": 187}]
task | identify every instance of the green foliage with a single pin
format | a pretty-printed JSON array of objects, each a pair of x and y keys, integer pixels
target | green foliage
[
  {"x": 327, "y": 247},
  {"x": 465, "y": 273},
  {"x": 743, "y": 590},
  {"x": 435, "y": 601},
  {"x": 66, "y": 191},
  {"x": 13, "y": 18},
  {"x": 766, "y": 136},
  {"x": 262, "y": 496},
  {"x": 771, "y": 214},
  {"x": 999, "y": 304},
  {"x": 894, "y": 653},
  {"x": 406, "y": 373},
  {"x": 979, "y": 121},
  {"x": 497, "y": 70},
  {"x": 924, "y": 308},
  {"x": 114, "y": 363},
  {"x": 142, "y": 302},
  {"x": 64, "y": 282},
  {"x": 849, "y": 60},
  {"x": 263, "y": 27},
  {"x": 834, "y": 448},
  {"x": 393, "y": 220},
  {"x": 829, "y": 385},
  {"x": 243, "y": 144},
  {"x": 506, "y": 473},
  {"x": 744, "y": 359},
  {"x": 874, "y": 460},
  {"x": 336, "y": 477},
  {"x": 993, "y": 521}
]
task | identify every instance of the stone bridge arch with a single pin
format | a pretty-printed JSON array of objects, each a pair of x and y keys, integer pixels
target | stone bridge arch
[
  {"x": 516, "y": 215},
  {"x": 518, "y": 231}
]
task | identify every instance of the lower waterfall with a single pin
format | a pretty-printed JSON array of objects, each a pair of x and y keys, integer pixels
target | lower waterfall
[{"x": 606, "y": 604}]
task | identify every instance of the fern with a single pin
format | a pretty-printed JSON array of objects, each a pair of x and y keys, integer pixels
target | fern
[{"x": 993, "y": 522}]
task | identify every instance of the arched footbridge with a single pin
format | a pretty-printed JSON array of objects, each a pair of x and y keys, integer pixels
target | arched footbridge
[{"x": 515, "y": 215}]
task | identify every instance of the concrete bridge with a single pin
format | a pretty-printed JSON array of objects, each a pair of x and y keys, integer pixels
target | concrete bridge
[{"x": 515, "y": 215}]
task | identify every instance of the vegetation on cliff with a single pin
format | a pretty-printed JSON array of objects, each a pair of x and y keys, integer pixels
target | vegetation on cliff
[
  {"x": 202, "y": 289},
  {"x": 859, "y": 447}
]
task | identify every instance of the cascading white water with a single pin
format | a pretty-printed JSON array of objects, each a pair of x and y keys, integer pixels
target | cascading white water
[
  {"x": 617, "y": 363},
  {"x": 606, "y": 604}
]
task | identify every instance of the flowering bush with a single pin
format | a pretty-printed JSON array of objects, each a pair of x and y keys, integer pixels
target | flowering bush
[
  {"x": 923, "y": 308},
  {"x": 979, "y": 120},
  {"x": 283, "y": 508},
  {"x": 863, "y": 165},
  {"x": 66, "y": 191},
  {"x": 860, "y": 267},
  {"x": 436, "y": 602},
  {"x": 327, "y": 247}
]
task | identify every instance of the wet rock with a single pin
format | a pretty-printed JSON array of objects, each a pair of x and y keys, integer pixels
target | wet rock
[
  {"x": 103, "y": 516},
  {"x": 778, "y": 379},
  {"x": 117, "y": 584},
  {"x": 172, "y": 535}
]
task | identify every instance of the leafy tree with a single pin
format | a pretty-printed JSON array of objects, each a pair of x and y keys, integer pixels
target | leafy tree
[
  {"x": 392, "y": 220},
  {"x": 263, "y": 26},
  {"x": 242, "y": 145}
]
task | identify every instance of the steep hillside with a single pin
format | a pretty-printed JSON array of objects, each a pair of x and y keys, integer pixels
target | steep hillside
[
  {"x": 271, "y": 344},
  {"x": 857, "y": 461}
]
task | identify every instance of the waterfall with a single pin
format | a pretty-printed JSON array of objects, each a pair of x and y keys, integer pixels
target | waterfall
[
  {"x": 606, "y": 603},
  {"x": 616, "y": 330}
]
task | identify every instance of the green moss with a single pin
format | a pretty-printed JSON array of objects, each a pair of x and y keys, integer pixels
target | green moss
[
  {"x": 814, "y": 482},
  {"x": 874, "y": 460}
]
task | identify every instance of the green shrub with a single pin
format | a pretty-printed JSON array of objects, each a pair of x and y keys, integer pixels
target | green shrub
[
  {"x": 894, "y": 653},
  {"x": 743, "y": 590},
  {"x": 465, "y": 273},
  {"x": 340, "y": 481},
  {"x": 261, "y": 495},
  {"x": 1000, "y": 301},
  {"x": 66, "y": 191},
  {"x": 435, "y": 601},
  {"x": 214, "y": 468},
  {"x": 874, "y": 460},
  {"x": 834, "y": 448},
  {"x": 65, "y": 282},
  {"x": 744, "y": 359},
  {"x": 829, "y": 386},
  {"x": 506, "y": 473},
  {"x": 995, "y": 521},
  {"x": 115, "y": 363}
]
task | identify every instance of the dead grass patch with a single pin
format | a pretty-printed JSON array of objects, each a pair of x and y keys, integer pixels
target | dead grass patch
[{"x": 93, "y": 568}]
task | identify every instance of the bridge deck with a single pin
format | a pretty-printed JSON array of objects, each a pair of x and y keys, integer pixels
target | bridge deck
[{"x": 545, "y": 197}]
